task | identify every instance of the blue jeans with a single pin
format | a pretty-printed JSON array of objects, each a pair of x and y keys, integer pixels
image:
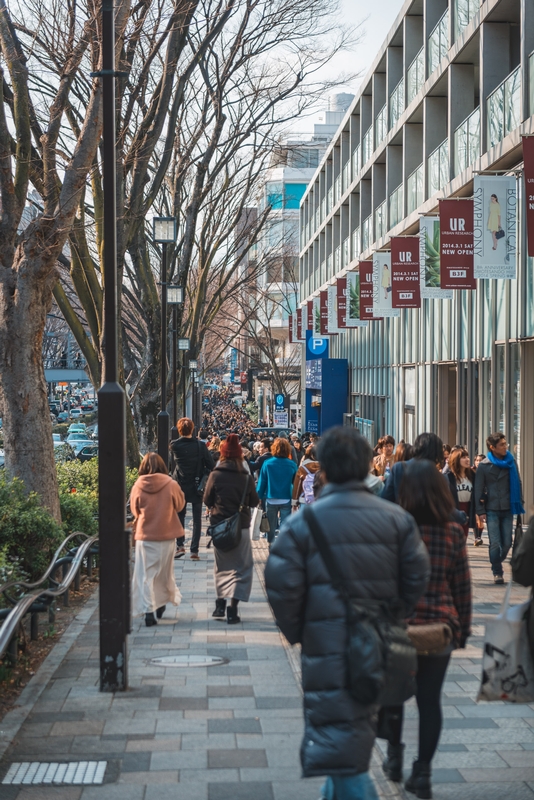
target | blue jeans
[
  {"x": 350, "y": 787},
  {"x": 273, "y": 511},
  {"x": 500, "y": 524}
]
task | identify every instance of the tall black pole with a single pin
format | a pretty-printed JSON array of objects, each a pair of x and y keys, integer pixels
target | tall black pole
[
  {"x": 174, "y": 429},
  {"x": 114, "y": 544},
  {"x": 183, "y": 385},
  {"x": 163, "y": 416}
]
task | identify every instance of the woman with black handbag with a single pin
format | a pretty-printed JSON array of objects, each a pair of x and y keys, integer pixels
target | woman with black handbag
[{"x": 230, "y": 490}]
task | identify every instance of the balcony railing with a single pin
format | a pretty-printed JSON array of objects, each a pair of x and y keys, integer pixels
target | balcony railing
[
  {"x": 415, "y": 76},
  {"x": 346, "y": 176},
  {"x": 337, "y": 189},
  {"x": 356, "y": 243},
  {"x": 367, "y": 145},
  {"x": 329, "y": 200},
  {"x": 329, "y": 264},
  {"x": 366, "y": 233},
  {"x": 323, "y": 209},
  {"x": 396, "y": 203},
  {"x": 464, "y": 11},
  {"x": 531, "y": 83},
  {"x": 346, "y": 252},
  {"x": 504, "y": 108},
  {"x": 355, "y": 161},
  {"x": 381, "y": 125},
  {"x": 467, "y": 142},
  {"x": 415, "y": 189},
  {"x": 381, "y": 221},
  {"x": 438, "y": 168},
  {"x": 337, "y": 259},
  {"x": 396, "y": 103},
  {"x": 438, "y": 43}
]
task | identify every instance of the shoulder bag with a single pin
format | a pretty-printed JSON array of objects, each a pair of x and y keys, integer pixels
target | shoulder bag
[
  {"x": 226, "y": 535},
  {"x": 381, "y": 659},
  {"x": 201, "y": 477}
]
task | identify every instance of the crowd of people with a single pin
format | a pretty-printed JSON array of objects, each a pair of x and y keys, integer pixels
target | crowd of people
[{"x": 395, "y": 524}]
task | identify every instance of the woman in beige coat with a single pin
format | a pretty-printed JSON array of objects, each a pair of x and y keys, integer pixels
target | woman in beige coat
[{"x": 155, "y": 501}]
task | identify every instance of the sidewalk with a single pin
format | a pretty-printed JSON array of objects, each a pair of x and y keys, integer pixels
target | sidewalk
[{"x": 232, "y": 732}]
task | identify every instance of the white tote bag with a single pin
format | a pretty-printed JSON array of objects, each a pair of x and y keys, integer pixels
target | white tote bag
[
  {"x": 507, "y": 668},
  {"x": 255, "y": 521}
]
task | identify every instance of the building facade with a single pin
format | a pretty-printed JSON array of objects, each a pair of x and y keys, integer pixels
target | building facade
[{"x": 449, "y": 95}]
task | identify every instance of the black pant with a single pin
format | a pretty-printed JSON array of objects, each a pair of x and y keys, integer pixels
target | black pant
[
  {"x": 430, "y": 676},
  {"x": 197, "y": 525}
]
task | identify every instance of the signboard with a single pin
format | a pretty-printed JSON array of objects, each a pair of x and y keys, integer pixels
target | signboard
[
  {"x": 299, "y": 324},
  {"x": 316, "y": 346},
  {"x": 495, "y": 226},
  {"x": 291, "y": 330},
  {"x": 309, "y": 316},
  {"x": 365, "y": 274},
  {"x": 528, "y": 171},
  {"x": 244, "y": 377},
  {"x": 354, "y": 318},
  {"x": 382, "y": 288},
  {"x": 323, "y": 307},
  {"x": 314, "y": 374},
  {"x": 281, "y": 402},
  {"x": 430, "y": 260},
  {"x": 341, "y": 302},
  {"x": 456, "y": 244},
  {"x": 280, "y": 419},
  {"x": 316, "y": 327},
  {"x": 405, "y": 272},
  {"x": 332, "y": 327},
  {"x": 305, "y": 320}
]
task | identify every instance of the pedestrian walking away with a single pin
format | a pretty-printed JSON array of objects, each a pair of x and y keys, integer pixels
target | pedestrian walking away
[
  {"x": 275, "y": 484},
  {"x": 303, "y": 485},
  {"x": 155, "y": 501},
  {"x": 223, "y": 496},
  {"x": 523, "y": 573},
  {"x": 444, "y": 610},
  {"x": 379, "y": 553},
  {"x": 192, "y": 463},
  {"x": 498, "y": 497}
]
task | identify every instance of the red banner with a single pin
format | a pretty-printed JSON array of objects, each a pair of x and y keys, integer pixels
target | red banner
[
  {"x": 290, "y": 321},
  {"x": 310, "y": 323},
  {"x": 456, "y": 218},
  {"x": 323, "y": 305},
  {"x": 528, "y": 170},
  {"x": 405, "y": 272},
  {"x": 341, "y": 302},
  {"x": 299, "y": 324},
  {"x": 366, "y": 290}
]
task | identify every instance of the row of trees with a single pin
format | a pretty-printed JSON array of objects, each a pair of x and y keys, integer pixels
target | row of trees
[{"x": 205, "y": 91}]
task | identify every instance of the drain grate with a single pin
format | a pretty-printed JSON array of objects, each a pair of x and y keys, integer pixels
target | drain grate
[
  {"x": 42, "y": 772},
  {"x": 189, "y": 661}
]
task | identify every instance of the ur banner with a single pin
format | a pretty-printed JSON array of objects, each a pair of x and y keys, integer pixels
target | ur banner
[
  {"x": 299, "y": 325},
  {"x": 332, "y": 310},
  {"x": 323, "y": 307},
  {"x": 495, "y": 226},
  {"x": 429, "y": 257},
  {"x": 382, "y": 304},
  {"x": 365, "y": 274},
  {"x": 405, "y": 272},
  {"x": 354, "y": 305},
  {"x": 528, "y": 158},
  {"x": 316, "y": 312},
  {"x": 341, "y": 287},
  {"x": 456, "y": 244}
]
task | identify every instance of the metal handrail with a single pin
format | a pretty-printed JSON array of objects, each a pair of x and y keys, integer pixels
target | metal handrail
[
  {"x": 49, "y": 570},
  {"x": 16, "y": 614}
]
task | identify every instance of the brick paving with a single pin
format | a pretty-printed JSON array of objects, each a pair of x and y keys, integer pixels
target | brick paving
[{"x": 233, "y": 732}]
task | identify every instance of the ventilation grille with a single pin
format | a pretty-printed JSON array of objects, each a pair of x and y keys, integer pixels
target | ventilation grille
[{"x": 41, "y": 772}]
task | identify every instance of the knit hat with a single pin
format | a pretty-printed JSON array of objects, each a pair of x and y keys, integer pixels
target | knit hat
[{"x": 231, "y": 448}]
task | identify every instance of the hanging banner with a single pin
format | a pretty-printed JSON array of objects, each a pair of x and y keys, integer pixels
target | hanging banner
[
  {"x": 341, "y": 291},
  {"x": 316, "y": 328},
  {"x": 382, "y": 300},
  {"x": 311, "y": 316},
  {"x": 528, "y": 171},
  {"x": 354, "y": 307},
  {"x": 495, "y": 226},
  {"x": 304, "y": 317},
  {"x": 365, "y": 275},
  {"x": 323, "y": 307},
  {"x": 429, "y": 259},
  {"x": 291, "y": 327},
  {"x": 332, "y": 327},
  {"x": 405, "y": 272},
  {"x": 456, "y": 244},
  {"x": 298, "y": 312}
]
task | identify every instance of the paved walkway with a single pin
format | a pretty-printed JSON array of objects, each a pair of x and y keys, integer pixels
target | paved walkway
[{"x": 232, "y": 732}]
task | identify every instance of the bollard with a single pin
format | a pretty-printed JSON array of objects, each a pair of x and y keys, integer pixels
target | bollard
[
  {"x": 13, "y": 650},
  {"x": 34, "y": 626}
]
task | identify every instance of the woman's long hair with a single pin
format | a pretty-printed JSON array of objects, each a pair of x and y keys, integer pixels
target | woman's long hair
[
  {"x": 151, "y": 464},
  {"x": 455, "y": 468},
  {"x": 425, "y": 494}
]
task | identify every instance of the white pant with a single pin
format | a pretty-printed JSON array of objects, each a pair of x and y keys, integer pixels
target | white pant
[{"x": 153, "y": 582}]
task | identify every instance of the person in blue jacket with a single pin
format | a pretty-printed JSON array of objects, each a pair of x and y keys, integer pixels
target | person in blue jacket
[{"x": 275, "y": 485}]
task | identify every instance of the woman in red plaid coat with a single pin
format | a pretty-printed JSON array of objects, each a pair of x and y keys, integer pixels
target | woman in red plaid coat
[{"x": 447, "y": 600}]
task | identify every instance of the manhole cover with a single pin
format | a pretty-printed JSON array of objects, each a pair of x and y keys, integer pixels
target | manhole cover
[{"x": 189, "y": 661}]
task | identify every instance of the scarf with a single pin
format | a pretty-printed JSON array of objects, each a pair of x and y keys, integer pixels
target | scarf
[{"x": 508, "y": 462}]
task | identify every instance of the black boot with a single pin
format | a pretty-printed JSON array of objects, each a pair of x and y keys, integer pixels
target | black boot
[
  {"x": 150, "y": 619},
  {"x": 419, "y": 781},
  {"x": 160, "y": 611},
  {"x": 220, "y": 608},
  {"x": 392, "y": 765},
  {"x": 231, "y": 614}
]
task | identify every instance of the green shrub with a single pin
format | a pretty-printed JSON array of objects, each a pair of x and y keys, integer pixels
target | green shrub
[
  {"x": 78, "y": 514},
  {"x": 62, "y": 429},
  {"x": 83, "y": 476},
  {"x": 10, "y": 570},
  {"x": 27, "y": 531}
]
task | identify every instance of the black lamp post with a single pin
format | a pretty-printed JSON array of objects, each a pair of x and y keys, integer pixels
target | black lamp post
[
  {"x": 164, "y": 233},
  {"x": 193, "y": 366},
  {"x": 175, "y": 297},
  {"x": 183, "y": 345}
]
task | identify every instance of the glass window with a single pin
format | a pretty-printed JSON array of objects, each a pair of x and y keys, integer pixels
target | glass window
[
  {"x": 396, "y": 201},
  {"x": 464, "y": 11},
  {"x": 438, "y": 43},
  {"x": 531, "y": 82},
  {"x": 467, "y": 142},
  {"x": 504, "y": 108},
  {"x": 275, "y": 195},
  {"x": 415, "y": 188},
  {"x": 275, "y": 234},
  {"x": 381, "y": 125},
  {"x": 500, "y": 387},
  {"x": 294, "y": 192},
  {"x": 515, "y": 427},
  {"x": 291, "y": 232},
  {"x": 438, "y": 168},
  {"x": 396, "y": 103},
  {"x": 303, "y": 158},
  {"x": 415, "y": 76}
]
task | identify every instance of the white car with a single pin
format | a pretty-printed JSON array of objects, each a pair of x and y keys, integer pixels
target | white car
[
  {"x": 76, "y": 413},
  {"x": 56, "y": 438}
]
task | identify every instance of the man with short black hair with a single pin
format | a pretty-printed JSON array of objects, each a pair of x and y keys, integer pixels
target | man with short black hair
[
  {"x": 379, "y": 552},
  {"x": 498, "y": 496}
]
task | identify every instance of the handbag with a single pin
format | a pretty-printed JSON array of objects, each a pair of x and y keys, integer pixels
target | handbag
[
  {"x": 381, "y": 659},
  {"x": 431, "y": 639},
  {"x": 226, "y": 535},
  {"x": 518, "y": 535},
  {"x": 499, "y": 234},
  {"x": 264, "y": 524},
  {"x": 200, "y": 480}
]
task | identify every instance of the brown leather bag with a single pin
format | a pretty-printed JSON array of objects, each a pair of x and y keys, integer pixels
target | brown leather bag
[{"x": 431, "y": 639}]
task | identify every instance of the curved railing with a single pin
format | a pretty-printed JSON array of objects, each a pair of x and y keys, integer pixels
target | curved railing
[{"x": 38, "y": 599}]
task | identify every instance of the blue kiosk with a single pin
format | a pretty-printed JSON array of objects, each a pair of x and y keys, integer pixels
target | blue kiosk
[{"x": 326, "y": 386}]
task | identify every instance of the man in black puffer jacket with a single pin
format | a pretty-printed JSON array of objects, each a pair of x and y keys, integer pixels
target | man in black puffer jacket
[{"x": 379, "y": 551}]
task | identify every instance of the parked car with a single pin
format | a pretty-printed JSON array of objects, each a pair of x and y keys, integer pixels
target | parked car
[
  {"x": 78, "y": 445},
  {"x": 78, "y": 436},
  {"x": 62, "y": 416},
  {"x": 56, "y": 438},
  {"x": 87, "y": 452},
  {"x": 87, "y": 407},
  {"x": 77, "y": 427},
  {"x": 76, "y": 413}
]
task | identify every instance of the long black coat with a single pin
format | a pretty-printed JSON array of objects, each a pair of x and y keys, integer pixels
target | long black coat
[
  {"x": 523, "y": 572},
  {"x": 190, "y": 459},
  {"x": 378, "y": 548}
]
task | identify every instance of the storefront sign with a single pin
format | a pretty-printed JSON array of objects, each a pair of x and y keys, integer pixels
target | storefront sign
[
  {"x": 299, "y": 324},
  {"x": 341, "y": 291},
  {"x": 323, "y": 306},
  {"x": 310, "y": 326},
  {"x": 354, "y": 307},
  {"x": 430, "y": 259},
  {"x": 382, "y": 300},
  {"x": 332, "y": 327},
  {"x": 405, "y": 272},
  {"x": 456, "y": 244},
  {"x": 495, "y": 226},
  {"x": 365, "y": 274},
  {"x": 528, "y": 170},
  {"x": 316, "y": 327}
]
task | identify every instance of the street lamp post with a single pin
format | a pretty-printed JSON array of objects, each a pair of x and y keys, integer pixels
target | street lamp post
[
  {"x": 183, "y": 346},
  {"x": 164, "y": 233},
  {"x": 175, "y": 296},
  {"x": 193, "y": 366}
]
